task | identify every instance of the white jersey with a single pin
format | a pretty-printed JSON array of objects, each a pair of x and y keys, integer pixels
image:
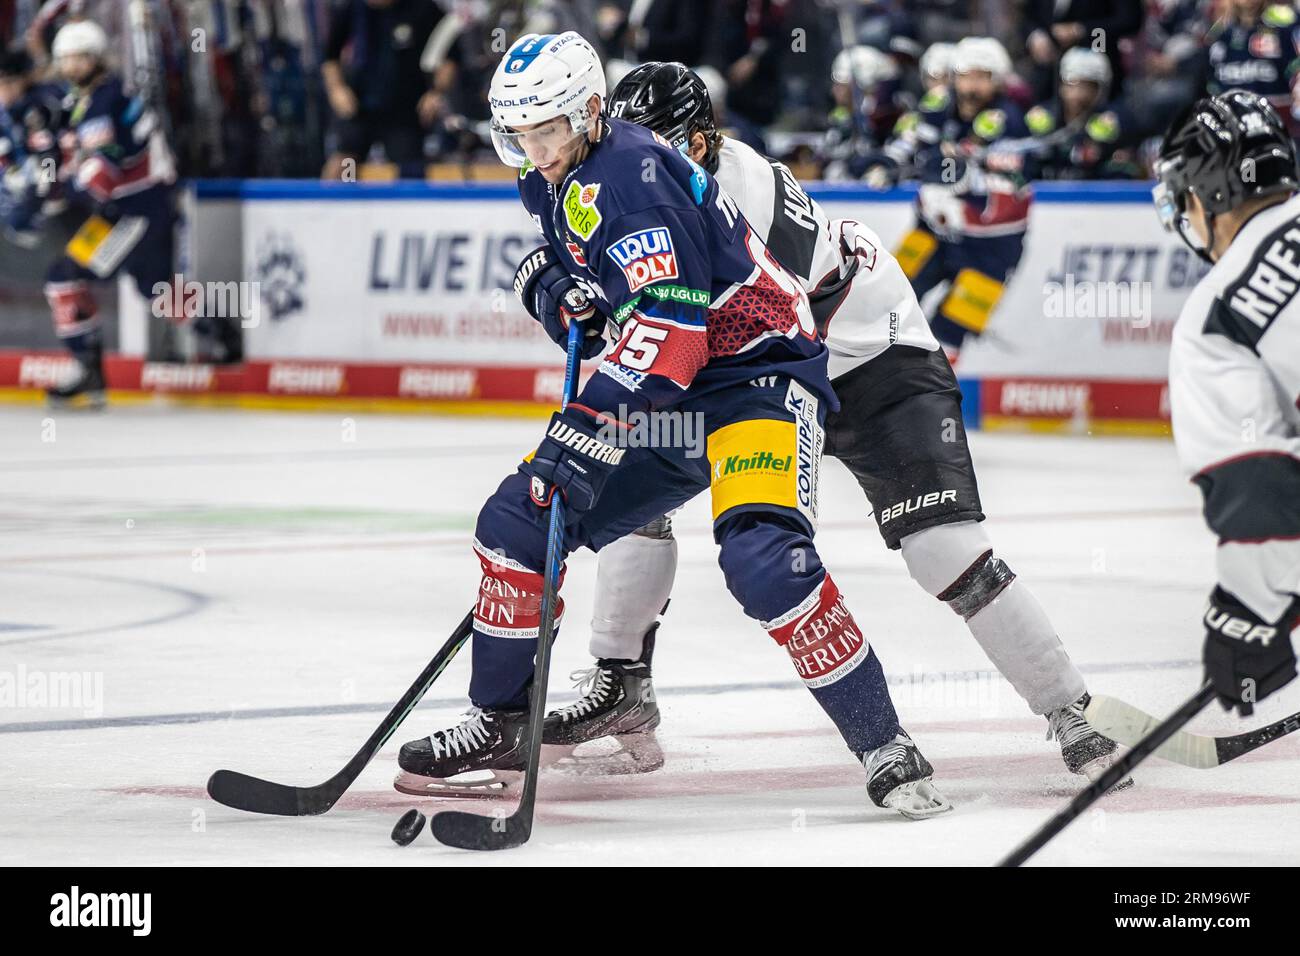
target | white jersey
[
  {"x": 1234, "y": 384},
  {"x": 861, "y": 299}
]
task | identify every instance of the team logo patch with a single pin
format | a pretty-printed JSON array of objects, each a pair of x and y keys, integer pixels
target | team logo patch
[
  {"x": 580, "y": 208},
  {"x": 1265, "y": 46},
  {"x": 645, "y": 256},
  {"x": 576, "y": 252}
]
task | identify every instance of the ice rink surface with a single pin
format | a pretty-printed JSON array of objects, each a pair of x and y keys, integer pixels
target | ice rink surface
[{"x": 183, "y": 590}]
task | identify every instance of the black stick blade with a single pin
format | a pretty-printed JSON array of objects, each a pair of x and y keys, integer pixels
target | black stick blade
[
  {"x": 255, "y": 795},
  {"x": 473, "y": 831}
]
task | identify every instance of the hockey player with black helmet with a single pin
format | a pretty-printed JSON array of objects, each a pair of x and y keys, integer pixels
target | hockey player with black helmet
[
  {"x": 1227, "y": 187},
  {"x": 899, "y": 432}
]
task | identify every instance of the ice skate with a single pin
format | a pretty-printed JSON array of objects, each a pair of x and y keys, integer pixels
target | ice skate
[
  {"x": 899, "y": 778},
  {"x": 84, "y": 390},
  {"x": 617, "y": 708},
  {"x": 484, "y": 755},
  {"x": 1084, "y": 750}
]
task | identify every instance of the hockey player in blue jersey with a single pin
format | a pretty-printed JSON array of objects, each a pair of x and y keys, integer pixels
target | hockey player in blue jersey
[
  {"x": 117, "y": 170},
  {"x": 706, "y": 324},
  {"x": 29, "y": 149},
  {"x": 967, "y": 144}
]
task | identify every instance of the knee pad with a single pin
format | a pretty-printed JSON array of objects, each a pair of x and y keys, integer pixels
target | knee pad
[{"x": 955, "y": 563}]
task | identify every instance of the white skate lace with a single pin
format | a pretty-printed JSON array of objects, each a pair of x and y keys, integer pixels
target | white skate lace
[
  {"x": 593, "y": 684},
  {"x": 462, "y": 738},
  {"x": 893, "y": 752},
  {"x": 1067, "y": 725}
]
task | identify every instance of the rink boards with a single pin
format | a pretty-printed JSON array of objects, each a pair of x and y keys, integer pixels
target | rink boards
[{"x": 396, "y": 297}]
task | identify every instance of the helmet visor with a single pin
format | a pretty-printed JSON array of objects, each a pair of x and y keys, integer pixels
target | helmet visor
[{"x": 541, "y": 144}]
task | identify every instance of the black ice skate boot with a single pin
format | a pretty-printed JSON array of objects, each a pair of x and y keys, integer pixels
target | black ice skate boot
[
  {"x": 618, "y": 705},
  {"x": 898, "y": 778},
  {"x": 484, "y": 755},
  {"x": 86, "y": 388},
  {"x": 1083, "y": 749}
]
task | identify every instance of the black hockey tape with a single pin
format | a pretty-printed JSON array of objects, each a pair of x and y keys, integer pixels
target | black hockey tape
[{"x": 978, "y": 586}]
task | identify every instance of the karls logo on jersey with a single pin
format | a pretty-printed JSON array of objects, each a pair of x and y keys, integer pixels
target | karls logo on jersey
[
  {"x": 809, "y": 440},
  {"x": 645, "y": 256},
  {"x": 580, "y": 210},
  {"x": 919, "y": 503}
]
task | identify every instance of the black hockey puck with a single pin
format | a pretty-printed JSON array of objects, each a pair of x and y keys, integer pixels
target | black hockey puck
[{"x": 408, "y": 828}]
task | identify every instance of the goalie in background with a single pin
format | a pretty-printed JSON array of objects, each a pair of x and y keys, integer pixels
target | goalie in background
[{"x": 1227, "y": 186}]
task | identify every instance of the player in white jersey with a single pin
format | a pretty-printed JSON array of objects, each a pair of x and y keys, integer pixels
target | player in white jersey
[
  {"x": 1228, "y": 185},
  {"x": 899, "y": 432}
]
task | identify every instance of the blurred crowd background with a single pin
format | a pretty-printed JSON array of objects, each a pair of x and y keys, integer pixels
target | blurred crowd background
[{"x": 297, "y": 88}]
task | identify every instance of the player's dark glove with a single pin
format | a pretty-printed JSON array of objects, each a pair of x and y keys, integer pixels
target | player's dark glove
[
  {"x": 1246, "y": 658},
  {"x": 552, "y": 296},
  {"x": 576, "y": 457}
]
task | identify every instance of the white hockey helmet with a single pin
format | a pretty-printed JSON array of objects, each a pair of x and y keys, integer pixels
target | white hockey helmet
[
  {"x": 1080, "y": 64},
  {"x": 543, "y": 77},
  {"x": 981, "y": 54},
  {"x": 866, "y": 65},
  {"x": 80, "y": 36},
  {"x": 936, "y": 61}
]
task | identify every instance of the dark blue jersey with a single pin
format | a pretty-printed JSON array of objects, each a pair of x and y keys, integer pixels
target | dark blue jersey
[
  {"x": 693, "y": 295},
  {"x": 113, "y": 144},
  {"x": 1263, "y": 58}
]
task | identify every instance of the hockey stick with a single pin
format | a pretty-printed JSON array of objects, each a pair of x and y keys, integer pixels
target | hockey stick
[
  {"x": 472, "y": 831},
  {"x": 1124, "y": 723},
  {"x": 1112, "y": 776},
  {"x": 255, "y": 795}
]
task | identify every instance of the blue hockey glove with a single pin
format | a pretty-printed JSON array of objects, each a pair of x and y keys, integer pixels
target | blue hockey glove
[{"x": 575, "y": 457}]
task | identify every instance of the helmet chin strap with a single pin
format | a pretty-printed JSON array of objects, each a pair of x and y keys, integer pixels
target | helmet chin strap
[{"x": 1202, "y": 252}]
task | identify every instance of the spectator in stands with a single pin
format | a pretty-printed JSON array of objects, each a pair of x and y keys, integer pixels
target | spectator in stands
[
  {"x": 376, "y": 87},
  {"x": 753, "y": 38},
  {"x": 1053, "y": 26},
  {"x": 659, "y": 30},
  {"x": 1254, "y": 47},
  {"x": 1084, "y": 135},
  {"x": 885, "y": 25},
  {"x": 1172, "y": 66}
]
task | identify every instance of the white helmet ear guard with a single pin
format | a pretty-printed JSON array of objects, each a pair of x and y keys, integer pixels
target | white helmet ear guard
[{"x": 542, "y": 77}]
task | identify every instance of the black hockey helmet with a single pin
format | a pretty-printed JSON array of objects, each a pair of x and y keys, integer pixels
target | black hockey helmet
[
  {"x": 1227, "y": 149},
  {"x": 670, "y": 99},
  {"x": 14, "y": 62}
]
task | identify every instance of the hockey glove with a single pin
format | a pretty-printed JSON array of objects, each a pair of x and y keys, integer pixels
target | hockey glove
[
  {"x": 552, "y": 296},
  {"x": 1246, "y": 659},
  {"x": 575, "y": 457}
]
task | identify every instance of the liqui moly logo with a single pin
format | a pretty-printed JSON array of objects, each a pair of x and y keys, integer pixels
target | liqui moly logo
[{"x": 646, "y": 256}]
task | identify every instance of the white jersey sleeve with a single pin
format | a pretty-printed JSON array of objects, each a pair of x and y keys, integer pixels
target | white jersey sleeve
[
  {"x": 861, "y": 300},
  {"x": 1234, "y": 380}
]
